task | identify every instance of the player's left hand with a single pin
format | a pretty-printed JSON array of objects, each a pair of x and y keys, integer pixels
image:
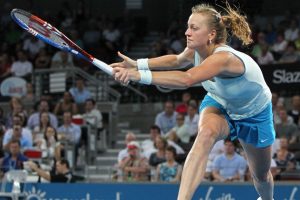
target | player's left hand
[{"x": 124, "y": 75}]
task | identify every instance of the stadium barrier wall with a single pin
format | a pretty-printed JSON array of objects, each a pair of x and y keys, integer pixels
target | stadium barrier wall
[{"x": 149, "y": 191}]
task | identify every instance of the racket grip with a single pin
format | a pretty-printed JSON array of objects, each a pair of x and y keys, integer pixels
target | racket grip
[{"x": 103, "y": 66}]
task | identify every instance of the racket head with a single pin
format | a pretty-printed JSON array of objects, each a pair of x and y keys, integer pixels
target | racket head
[{"x": 47, "y": 33}]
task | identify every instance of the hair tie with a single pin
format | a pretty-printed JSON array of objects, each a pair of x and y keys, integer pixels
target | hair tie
[{"x": 219, "y": 17}]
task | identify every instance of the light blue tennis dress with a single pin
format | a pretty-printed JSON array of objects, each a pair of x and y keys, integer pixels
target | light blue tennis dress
[{"x": 244, "y": 100}]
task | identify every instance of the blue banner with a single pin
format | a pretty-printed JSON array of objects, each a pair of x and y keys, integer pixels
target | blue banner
[{"x": 111, "y": 191}]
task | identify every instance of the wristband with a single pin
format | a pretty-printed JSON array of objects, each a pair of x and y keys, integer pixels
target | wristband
[
  {"x": 142, "y": 64},
  {"x": 146, "y": 77}
]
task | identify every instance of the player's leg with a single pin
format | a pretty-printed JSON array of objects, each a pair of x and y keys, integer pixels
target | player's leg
[
  {"x": 259, "y": 161},
  {"x": 212, "y": 127}
]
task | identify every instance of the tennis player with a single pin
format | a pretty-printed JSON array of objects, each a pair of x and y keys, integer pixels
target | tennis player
[{"x": 238, "y": 101}]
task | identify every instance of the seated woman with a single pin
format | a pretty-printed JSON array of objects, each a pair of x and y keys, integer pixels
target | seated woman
[
  {"x": 66, "y": 104},
  {"x": 159, "y": 156},
  {"x": 49, "y": 144},
  {"x": 283, "y": 158},
  {"x": 169, "y": 171},
  {"x": 38, "y": 131}
]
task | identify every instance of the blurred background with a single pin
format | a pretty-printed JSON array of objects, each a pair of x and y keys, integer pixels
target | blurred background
[{"x": 61, "y": 116}]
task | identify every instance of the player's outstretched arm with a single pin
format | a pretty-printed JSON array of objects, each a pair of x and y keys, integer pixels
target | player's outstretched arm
[{"x": 162, "y": 62}]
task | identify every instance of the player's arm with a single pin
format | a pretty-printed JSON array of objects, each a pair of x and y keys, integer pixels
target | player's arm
[
  {"x": 161, "y": 62},
  {"x": 172, "y": 61},
  {"x": 214, "y": 65}
]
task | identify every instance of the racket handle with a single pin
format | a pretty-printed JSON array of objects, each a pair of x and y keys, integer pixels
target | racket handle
[{"x": 103, "y": 66}]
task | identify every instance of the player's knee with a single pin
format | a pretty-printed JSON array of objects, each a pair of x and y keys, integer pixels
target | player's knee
[
  {"x": 206, "y": 136},
  {"x": 262, "y": 176},
  {"x": 207, "y": 132}
]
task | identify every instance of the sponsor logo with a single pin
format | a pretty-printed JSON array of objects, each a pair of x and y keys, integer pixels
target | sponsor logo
[{"x": 283, "y": 76}]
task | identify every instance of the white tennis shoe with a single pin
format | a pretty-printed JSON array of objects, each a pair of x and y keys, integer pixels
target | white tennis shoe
[{"x": 260, "y": 198}]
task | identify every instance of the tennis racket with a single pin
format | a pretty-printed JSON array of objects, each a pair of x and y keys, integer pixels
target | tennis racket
[{"x": 49, "y": 34}]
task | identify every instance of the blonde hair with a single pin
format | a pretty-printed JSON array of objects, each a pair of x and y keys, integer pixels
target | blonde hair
[{"x": 234, "y": 22}]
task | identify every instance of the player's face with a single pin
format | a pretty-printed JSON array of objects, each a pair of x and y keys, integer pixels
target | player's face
[{"x": 197, "y": 33}]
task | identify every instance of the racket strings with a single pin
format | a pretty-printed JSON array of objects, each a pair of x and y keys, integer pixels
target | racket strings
[{"x": 52, "y": 35}]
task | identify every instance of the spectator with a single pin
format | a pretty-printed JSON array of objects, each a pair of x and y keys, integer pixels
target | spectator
[
  {"x": 286, "y": 128},
  {"x": 147, "y": 146},
  {"x": 290, "y": 55},
  {"x": 111, "y": 36},
  {"x": 34, "y": 119},
  {"x": 217, "y": 150},
  {"x": 92, "y": 34},
  {"x": 63, "y": 173},
  {"x": 180, "y": 132},
  {"x": 42, "y": 60},
  {"x": 291, "y": 33},
  {"x": 284, "y": 158},
  {"x": 22, "y": 67},
  {"x": 14, "y": 159},
  {"x": 49, "y": 144},
  {"x": 229, "y": 166},
  {"x": 130, "y": 136},
  {"x": 277, "y": 105},
  {"x": 279, "y": 46},
  {"x": 169, "y": 171},
  {"x": 65, "y": 104},
  {"x": 266, "y": 57},
  {"x": 158, "y": 156},
  {"x": 33, "y": 45},
  {"x": 166, "y": 119},
  {"x": 257, "y": 49},
  {"x": 135, "y": 167},
  {"x": 80, "y": 93},
  {"x": 178, "y": 43},
  {"x": 16, "y": 108},
  {"x": 18, "y": 133},
  {"x": 92, "y": 115},
  {"x": 270, "y": 33},
  {"x": 38, "y": 131},
  {"x": 192, "y": 118},
  {"x": 295, "y": 111},
  {"x": 62, "y": 59},
  {"x": 69, "y": 131},
  {"x": 183, "y": 106},
  {"x": 29, "y": 96}
]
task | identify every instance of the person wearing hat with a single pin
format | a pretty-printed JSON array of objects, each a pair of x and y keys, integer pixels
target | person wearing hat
[{"x": 134, "y": 167}]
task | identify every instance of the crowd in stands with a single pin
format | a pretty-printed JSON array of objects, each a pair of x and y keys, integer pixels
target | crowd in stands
[
  {"x": 50, "y": 129},
  {"x": 37, "y": 140},
  {"x": 161, "y": 157}
]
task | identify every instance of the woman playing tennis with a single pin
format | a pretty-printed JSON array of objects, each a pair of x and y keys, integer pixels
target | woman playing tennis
[{"x": 238, "y": 101}]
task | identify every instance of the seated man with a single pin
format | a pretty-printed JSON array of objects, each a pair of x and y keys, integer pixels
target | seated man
[
  {"x": 63, "y": 173},
  {"x": 92, "y": 115},
  {"x": 130, "y": 136},
  {"x": 19, "y": 133},
  {"x": 229, "y": 166},
  {"x": 180, "y": 132},
  {"x": 166, "y": 119},
  {"x": 79, "y": 92},
  {"x": 69, "y": 131},
  {"x": 14, "y": 159},
  {"x": 134, "y": 167}
]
